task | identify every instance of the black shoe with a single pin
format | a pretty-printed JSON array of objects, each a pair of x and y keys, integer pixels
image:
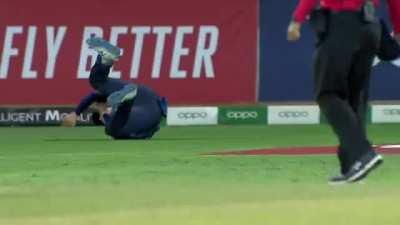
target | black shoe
[{"x": 362, "y": 167}]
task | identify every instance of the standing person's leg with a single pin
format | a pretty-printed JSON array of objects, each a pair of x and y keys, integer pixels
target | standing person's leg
[
  {"x": 332, "y": 66},
  {"x": 361, "y": 112},
  {"x": 353, "y": 142},
  {"x": 359, "y": 85},
  {"x": 364, "y": 105},
  {"x": 358, "y": 99},
  {"x": 334, "y": 74},
  {"x": 361, "y": 73}
]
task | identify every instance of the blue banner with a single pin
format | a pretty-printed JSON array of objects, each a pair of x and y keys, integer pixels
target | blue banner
[{"x": 286, "y": 68}]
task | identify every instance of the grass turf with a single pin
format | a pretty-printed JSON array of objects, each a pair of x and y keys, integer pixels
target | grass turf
[{"x": 79, "y": 176}]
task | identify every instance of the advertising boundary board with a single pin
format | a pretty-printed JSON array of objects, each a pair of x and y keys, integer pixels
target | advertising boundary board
[
  {"x": 203, "y": 115},
  {"x": 184, "y": 50}
]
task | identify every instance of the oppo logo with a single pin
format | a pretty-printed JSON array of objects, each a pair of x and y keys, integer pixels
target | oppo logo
[
  {"x": 391, "y": 112},
  {"x": 293, "y": 114},
  {"x": 242, "y": 115},
  {"x": 192, "y": 115}
]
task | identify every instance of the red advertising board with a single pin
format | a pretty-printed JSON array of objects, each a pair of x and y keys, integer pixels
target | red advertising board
[{"x": 193, "y": 52}]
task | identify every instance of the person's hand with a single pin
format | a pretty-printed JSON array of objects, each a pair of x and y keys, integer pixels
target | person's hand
[
  {"x": 293, "y": 33},
  {"x": 70, "y": 120},
  {"x": 100, "y": 107}
]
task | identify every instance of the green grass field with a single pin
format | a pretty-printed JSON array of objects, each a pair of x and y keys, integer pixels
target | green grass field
[{"x": 60, "y": 176}]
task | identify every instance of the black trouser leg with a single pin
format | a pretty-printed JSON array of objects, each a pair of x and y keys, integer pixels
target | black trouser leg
[
  {"x": 359, "y": 83},
  {"x": 358, "y": 98},
  {"x": 346, "y": 125},
  {"x": 360, "y": 106},
  {"x": 119, "y": 119},
  {"x": 330, "y": 71},
  {"x": 342, "y": 70},
  {"x": 100, "y": 81}
]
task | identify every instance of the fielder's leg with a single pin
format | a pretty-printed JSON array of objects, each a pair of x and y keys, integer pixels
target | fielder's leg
[
  {"x": 116, "y": 121},
  {"x": 117, "y": 90}
]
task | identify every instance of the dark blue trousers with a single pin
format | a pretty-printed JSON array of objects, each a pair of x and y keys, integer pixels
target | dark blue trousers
[
  {"x": 136, "y": 119},
  {"x": 100, "y": 81}
]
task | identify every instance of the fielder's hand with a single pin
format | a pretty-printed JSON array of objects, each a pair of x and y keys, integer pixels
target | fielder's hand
[
  {"x": 100, "y": 107},
  {"x": 70, "y": 120},
  {"x": 293, "y": 33}
]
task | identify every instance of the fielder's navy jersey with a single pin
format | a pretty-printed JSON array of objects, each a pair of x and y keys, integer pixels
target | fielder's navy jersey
[{"x": 145, "y": 114}]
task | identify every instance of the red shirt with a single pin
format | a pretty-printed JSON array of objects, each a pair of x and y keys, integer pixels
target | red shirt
[{"x": 306, "y": 6}]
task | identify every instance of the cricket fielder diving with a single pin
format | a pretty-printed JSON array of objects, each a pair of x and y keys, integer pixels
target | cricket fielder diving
[{"x": 127, "y": 110}]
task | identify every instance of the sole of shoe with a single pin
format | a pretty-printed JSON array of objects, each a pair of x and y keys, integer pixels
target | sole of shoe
[
  {"x": 342, "y": 183},
  {"x": 337, "y": 183},
  {"x": 101, "y": 45},
  {"x": 113, "y": 54},
  {"x": 373, "y": 164},
  {"x": 129, "y": 96},
  {"x": 128, "y": 93}
]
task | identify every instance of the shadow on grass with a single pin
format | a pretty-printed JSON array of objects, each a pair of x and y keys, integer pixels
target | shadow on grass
[
  {"x": 151, "y": 139},
  {"x": 77, "y": 139}
]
